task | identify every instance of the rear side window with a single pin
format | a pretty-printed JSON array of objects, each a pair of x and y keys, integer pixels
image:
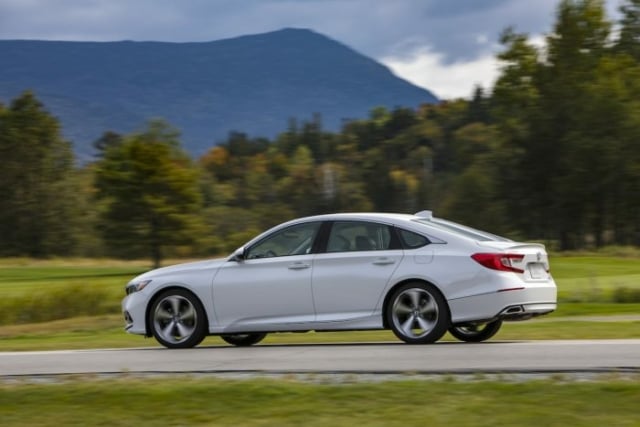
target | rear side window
[
  {"x": 411, "y": 240},
  {"x": 348, "y": 236}
]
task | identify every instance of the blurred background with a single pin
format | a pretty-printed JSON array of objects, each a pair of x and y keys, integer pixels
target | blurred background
[
  {"x": 138, "y": 134},
  {"x": 546, "y": 147}
]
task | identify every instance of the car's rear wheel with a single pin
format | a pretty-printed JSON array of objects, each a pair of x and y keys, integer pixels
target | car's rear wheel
[
  {"x": 178, "y": 319},
  {"x": 417, "y": 313},
  {"x": 475, "y": 332},
  {"x": 243, "y": 340}
]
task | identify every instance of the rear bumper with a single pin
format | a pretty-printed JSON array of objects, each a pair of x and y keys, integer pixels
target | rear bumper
[
  {"x": 517, "y": 304},
  {"x": 526, "y": 311}
]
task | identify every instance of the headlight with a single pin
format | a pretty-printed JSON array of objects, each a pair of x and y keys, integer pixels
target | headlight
[{"x": 136, "y": 286}]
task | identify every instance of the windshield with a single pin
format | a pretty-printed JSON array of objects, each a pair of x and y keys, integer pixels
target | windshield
[{"x": 463, "y": 230}]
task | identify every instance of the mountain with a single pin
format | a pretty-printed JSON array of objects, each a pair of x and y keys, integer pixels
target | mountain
[{"x": 253, "y": 84}]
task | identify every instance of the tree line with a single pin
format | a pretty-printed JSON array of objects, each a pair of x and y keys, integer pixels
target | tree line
[{"x": 550, "y": 153}]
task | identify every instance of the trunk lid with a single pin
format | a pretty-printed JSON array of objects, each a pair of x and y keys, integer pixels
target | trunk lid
[{"x": 534, "y": 263}]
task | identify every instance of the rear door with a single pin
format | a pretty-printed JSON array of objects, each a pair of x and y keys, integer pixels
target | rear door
[{"x": 349, "y": 277}]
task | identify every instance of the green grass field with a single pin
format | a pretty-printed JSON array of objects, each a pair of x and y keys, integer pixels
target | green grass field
[
  {"x": 594, "y": 278},
  {"x": 17, "y": 281},
  {"x": 37, "y": 291},
  {"x": 288, "y": 402},
  {"x": 574, "y": 275}
]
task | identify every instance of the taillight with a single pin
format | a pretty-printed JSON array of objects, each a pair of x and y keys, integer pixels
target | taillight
[{"x": 500, "y": 262}]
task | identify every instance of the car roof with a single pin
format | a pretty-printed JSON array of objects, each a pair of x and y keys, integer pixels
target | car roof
[
  {"x": 436, "y": 228},
  {"x": 373, "y": 216}
]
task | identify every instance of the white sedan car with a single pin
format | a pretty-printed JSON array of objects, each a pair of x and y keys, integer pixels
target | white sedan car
[{"x": 414, "y": 274}]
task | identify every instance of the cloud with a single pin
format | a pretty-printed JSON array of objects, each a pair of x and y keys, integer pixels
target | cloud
[
  {"x": 429, "y": 42},
  {"x": 428, "y": 69},
  {"x": 375, "y": 27}
]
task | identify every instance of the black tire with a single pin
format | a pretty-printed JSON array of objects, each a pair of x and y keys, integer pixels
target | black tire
[
  {"x": 177, "y": 319},
  {"x": 417, "y": 313},
  {"x": 475, "y": 332},
  {"x": 243, "y": 340}
]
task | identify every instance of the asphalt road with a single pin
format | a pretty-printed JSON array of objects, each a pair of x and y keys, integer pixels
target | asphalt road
[{"x": 495, "y": 356}]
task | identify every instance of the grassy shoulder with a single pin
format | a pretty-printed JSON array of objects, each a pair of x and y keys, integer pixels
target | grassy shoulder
[
  {"x": 107, "y": 332},
  {"x": 260, "y": 402}
]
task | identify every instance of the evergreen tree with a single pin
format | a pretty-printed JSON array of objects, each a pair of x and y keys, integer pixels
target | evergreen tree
[
  {"x": 151, "y": 192},
  {"x": 629, "y": 40},
  {"x": 37, "y": 210}
]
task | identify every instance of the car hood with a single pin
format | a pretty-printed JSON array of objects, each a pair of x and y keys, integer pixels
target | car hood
[{"x": 182, "y": 268}]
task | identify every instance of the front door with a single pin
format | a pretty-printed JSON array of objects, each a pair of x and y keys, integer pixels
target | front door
[{"x": 271, "y": 288}]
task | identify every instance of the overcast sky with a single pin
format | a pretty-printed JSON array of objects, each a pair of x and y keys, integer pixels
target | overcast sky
[{"x": 447, "y": 46}]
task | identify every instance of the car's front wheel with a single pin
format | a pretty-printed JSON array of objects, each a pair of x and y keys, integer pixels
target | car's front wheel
[
  {"x": 417, "y": 313},
  {"x": 243, "y": 340},
  {"x": 177, "y": 319},
  {"x": 475, "y": 332}
]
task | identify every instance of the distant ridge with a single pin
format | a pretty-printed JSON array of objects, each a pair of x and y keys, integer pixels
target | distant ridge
[{"x": 252, "y": 83}]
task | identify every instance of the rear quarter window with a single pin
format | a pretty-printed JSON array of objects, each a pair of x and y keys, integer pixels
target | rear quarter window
[{"x": 411, "y": 240}]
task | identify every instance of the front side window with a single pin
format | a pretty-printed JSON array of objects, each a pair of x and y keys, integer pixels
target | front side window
[
  {"x": 294, "y": 240},
  {"x": 348, "y": 236}
]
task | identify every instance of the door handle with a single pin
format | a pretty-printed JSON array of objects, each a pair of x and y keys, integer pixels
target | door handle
[
  {"x": 383, "y": 261},
  {"x": 298, "y": 266}
]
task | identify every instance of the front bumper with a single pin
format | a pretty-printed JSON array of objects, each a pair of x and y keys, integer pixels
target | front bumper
[{"x": 134, "y": 311}]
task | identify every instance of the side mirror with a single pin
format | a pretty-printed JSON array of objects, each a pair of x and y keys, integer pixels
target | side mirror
[{"x": 238, "y": 255}]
